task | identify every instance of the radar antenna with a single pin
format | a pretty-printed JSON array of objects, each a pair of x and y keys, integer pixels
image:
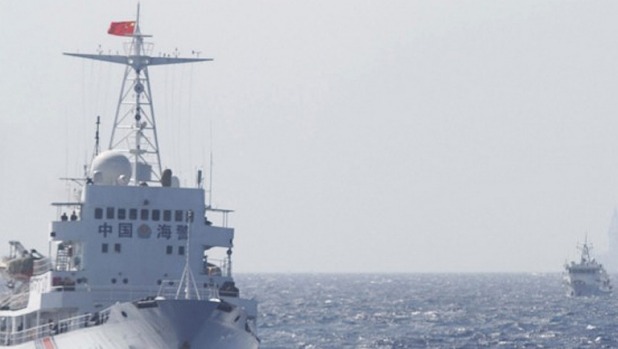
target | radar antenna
[{"x": 134, "y": 130}]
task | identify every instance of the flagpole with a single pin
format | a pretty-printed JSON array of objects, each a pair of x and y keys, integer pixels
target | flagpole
[{"x": 137, "y": 21}]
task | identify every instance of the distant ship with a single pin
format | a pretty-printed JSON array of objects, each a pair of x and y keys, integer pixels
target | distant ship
[
  {"x": 588, "y": 277},
  {"x": 130, "y": 261}
]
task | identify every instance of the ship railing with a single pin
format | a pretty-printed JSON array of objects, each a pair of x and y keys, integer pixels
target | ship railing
[
  {"x": 41, "y": 266},
  {"x": 110, "y": 295},
  {"x": 16, "y": 301},
  {"x": 167, "y": 289},
  {"x": 216, "y": 267},
  {"x": 51, "y": 328},
  {"x": 223, "y": 213}
]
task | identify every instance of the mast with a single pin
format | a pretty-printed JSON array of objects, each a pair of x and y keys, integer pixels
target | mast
[
  {"x": 134, "y": 131},
  {"x": 97, "y": 147},
  {"x": 187, "y": 281}
]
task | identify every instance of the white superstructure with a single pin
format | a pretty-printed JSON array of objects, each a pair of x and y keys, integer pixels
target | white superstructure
[
  {"x": 587, "y": 277},
  {"x": 130, "y": 264}
]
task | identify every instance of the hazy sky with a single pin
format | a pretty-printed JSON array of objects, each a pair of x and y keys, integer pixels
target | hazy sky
[{"x": 349, "y": 136}]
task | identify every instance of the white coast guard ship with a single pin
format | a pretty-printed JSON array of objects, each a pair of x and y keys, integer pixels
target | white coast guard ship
[
  {"x": 130, "y": 262},
  {"x": 587, "y": 277}
]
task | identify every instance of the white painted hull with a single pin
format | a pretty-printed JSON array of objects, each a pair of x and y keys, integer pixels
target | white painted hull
[
  {"x": 161, "y": 324},
  {"x": 583, "y": 287}
]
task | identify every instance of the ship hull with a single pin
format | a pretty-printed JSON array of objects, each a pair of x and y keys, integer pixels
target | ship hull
[
  {"x": 587, "y": 285},
  {"x": 578, "y": 288},
  {"x": 159, "y": 324}
]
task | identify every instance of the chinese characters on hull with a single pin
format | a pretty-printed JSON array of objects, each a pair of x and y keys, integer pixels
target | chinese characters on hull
[{"x": 164, "y": 231}]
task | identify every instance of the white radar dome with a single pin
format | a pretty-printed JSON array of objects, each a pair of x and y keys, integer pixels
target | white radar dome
[{"x": 111, "y": 168}]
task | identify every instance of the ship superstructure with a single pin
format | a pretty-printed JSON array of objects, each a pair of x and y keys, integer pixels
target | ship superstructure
[
  {"x": 586, "y": 277},
  {"x": 130, "y": 262}
]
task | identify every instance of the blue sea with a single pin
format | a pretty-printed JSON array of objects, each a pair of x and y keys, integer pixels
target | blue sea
[{"x": 427, "y": 311}]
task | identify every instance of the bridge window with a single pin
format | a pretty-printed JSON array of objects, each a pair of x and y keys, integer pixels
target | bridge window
[
  {"x": 181, "y": 250},
  {"x": 133, "y": 214},
  {"x": 104, "y": 248},
  {"x": 122, "y": 213},
  {"x": 98, "y": 213},
  {"x": 144, "y": 214},
  {"x": 110, "y": 213},
  {"x": 169, "y": 250},
  {"x": 156, "y": 215},
  {"x": 167, "y": 215},
  {"x": 178, "y": 216}
]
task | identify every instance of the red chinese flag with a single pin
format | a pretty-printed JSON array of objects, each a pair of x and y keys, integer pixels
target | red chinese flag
[{"x": 121, "y": 28}]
